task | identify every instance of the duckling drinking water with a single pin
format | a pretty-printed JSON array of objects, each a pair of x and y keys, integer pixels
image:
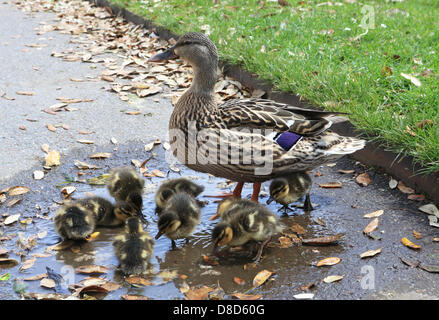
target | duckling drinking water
[
  {"x": 244, "y": 225},
  {"x": 133, "y": 248},
  {"x": 171, "y": 187},
  {"x": 291, "y": 188},
  {"x": 125, "y": 184},
  {"x": 179, "y": 217}
]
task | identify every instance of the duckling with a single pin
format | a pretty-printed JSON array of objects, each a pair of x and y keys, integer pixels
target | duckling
[
  {"x": 179, "y": 217},
  {"x": 247, "y": 224},
  {"x": 133, "y": 248},
  {"x": 172, "y": 186},
  {"x": 74, "y": 221},
  {"x": 230, "y": 206},
  {"x": 291, "y": 188},
  {"x": 125, "y": 184}
]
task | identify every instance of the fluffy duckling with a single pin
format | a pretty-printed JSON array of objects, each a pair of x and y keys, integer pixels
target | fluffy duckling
[
  {"x": 74, "y": 221},
  {"x": 291, "y": 188},
  {"x": 179, "y": 217},
  {"x": 230, "y": 206},
  {"x": 133, "y": 248},
  {"x": 106, "y": 214},
  {"x": 247, "y": 224},
  {"x": 171, "y": 187},
  {"x": 125, "y": 184}
]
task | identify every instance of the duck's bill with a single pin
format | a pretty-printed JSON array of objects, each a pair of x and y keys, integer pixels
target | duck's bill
[
  {"x": 158, "y": 235},
  {"x": 164, "y": 56},
  {"x": 215, "y": 216},
  {"x": 269, "y": 200}
]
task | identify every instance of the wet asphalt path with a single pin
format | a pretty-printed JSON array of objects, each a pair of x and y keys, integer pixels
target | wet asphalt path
[{"x": 33, "y": 69}]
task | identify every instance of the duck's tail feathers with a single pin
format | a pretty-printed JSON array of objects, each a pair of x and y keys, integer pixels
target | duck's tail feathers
[{"x": 346, "y": 145}]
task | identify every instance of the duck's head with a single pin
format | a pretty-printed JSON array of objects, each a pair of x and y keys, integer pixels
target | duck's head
[
  {"x": 279, "y": 189},
  {"x": 223, "y": 206},
  {"x": 222, "y": 234},
  {"x": 168, "y": 223},
  {"x": 133, "y": 225},
  {"x": 124, "y": 210},
  {"x": 193, "y": 47}
]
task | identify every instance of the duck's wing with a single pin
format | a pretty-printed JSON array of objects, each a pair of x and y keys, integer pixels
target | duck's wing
[{"x": 268, "y": 114}]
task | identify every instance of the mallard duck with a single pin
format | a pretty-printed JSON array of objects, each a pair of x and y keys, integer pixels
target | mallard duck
[
  {"x": 172, "y": 186},
  {"x": 243, "y": 156},
  {"x": 133, "y": 248},
  {"x": 179, "y": 217},
  {"x": 74, "y": 221},
  {"x": 229, "y": 206},
  {"x": 247, "y": 224},
  {"x": 125, "y": 184},
  {"x": 290, "y": 189}
]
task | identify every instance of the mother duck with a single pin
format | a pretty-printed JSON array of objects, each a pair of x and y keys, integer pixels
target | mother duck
[{"x": 244, "y": 140}]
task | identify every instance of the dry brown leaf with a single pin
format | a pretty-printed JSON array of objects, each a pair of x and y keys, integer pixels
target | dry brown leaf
[
  {"x": 88, "y": 269},
  {"x": 36, "y": 277},
  {"x": 333, "y": 278},
  {"x": 100, "y": 155},
  {"x": 8, "y": 262},
  {"x": 3, "y": 251},
  {"x": 12, "y": 202},
  {"x": 363, "y": 179},
  {"x": 261, "y": 277},
  {"x": 239, "y": 281},
  {"x": 331, "y": 185},
  {"x": 198, "y": 294},
  {"x": 28, "y": 263},
  {"x": 374, "y": 214},
  {"x": 328, "y": 261},
  {"x": 404, "y": 189},
  {"x": 83, "y": 141},
  {"x": 67, "y": 191},
  {"x": 47, "y": 283},
  {"x": 416, "y": 197},
  {"x": 84, "y": 166},
  {"x": 136, "y": 280},
  {"x": 210, "y": 260},
  {"x": 370, "y": 253},
  {"x": 413, "y": 79},
  {"x": 25, "y": 93},
  {"x": 297, "y": 228},
  {"x": 18, "y": 190},
  {"x": 346, "y": 171},
  {"x": 133, "y": 113},
  {"x": 410, "y": 244},
  {"x": 11, "y": 219},
  {"x": 372, "y": 226},
  {"x": 133, "y": 297},
  {"x": 243, "y": 296},
  {"x": 53, "y": 158},
  {"x": 417, "y": 235},
  {"x": 323, "y": 240},
  {"x": 285, "y": 242},
  {"x": 50, "y": 127},
  {"x": 62, "y": 245},
  {"x": 45, "y": 148},
  {"x": 158, "y": 173}
]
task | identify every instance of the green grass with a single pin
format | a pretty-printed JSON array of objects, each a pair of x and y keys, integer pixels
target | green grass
[{"x": 341, "y": 68}]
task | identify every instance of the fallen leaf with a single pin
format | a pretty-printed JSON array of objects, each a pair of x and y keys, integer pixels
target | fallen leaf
[
  {"x": 285, "y": 242},
  {"x": 53, "y": 158},
  {"x": 413, "y": 79},
  {"x": 323, "y": 240},
  {"x": 331, "y": 185},
  {"x": 239, "y": 281},
  {"x": 168, "y": 275},
  {"x": 430, "y": 209},
  {"x": 36, "y": 277},
  {"x": 8, "y": 262},
  {"x": 158, "y": 173},
  {"x": 416, "y": 197},
  {"x": 363, "y": 179},
  {"x": 308, "y": 286},
  {"x": 370, "y": 253},
  {"x": 210, "y": 260},
  {"x": 19, "y": 190},
  {"x": 304, "y": 296},
  {"x": 84, "y": 166},
  {"x": 417, "y": 235},
  {"x": 28, "y": 263},
  {"x": 12, "y": 202},
  {"x": 47, "y": 283},
  {"x": 11, "y": 219},
  {"x": 67, "y": 191},
  {"x": 372, "y": 226},
  {"x": 136, "y": 280},
  {"x": 198, "y": 294},
  {"x": 328, "y": 261},
  {"x": 243, "y": 296},
  {"x": 404, "y": 189},
  {"x": 393, "y": 183},
  {"x": 45, "y": 148},
  {"x": 25, "y": 93},
  {"x": 297, "y": 228},
  {"x": 38, "y": 175},
  {"x": 100, "y": 155},
  {"x": 50, "y": 127},
  {"x": 429, "y": 268},
  {"x": 261, "y": 277},
  {"x": 374, "y": 214},
  {"x": 346, "y": 171},
  {"x": 334, "y": 278},
  {"x": 88, "y": 269},
  {"x": 410, "y": 244},
  {"x": 133, "y": 297},
  {"x": 3, "y": 251},
  {"x": 62, "y": 245},
  {"x": 85, "y": 141},
  {"x": 425, "y": 123}
]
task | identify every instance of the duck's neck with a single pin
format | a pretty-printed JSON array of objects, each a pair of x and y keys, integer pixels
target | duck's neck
[{"x": 204, "y": 81}]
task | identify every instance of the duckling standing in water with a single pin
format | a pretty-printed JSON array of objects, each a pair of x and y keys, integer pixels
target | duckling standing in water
[
  {"x": 247, "y": 224},
  {"x": 74, "y": 221},
  {"x": 125, "y": 184},
  {"x": 171, "y": 187},
  {"x": 230, "y": 206},
  {"x": 133, "y": 248},
  {"x": 179, "y": 217},
  {"x": 291, "y": 188}
]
